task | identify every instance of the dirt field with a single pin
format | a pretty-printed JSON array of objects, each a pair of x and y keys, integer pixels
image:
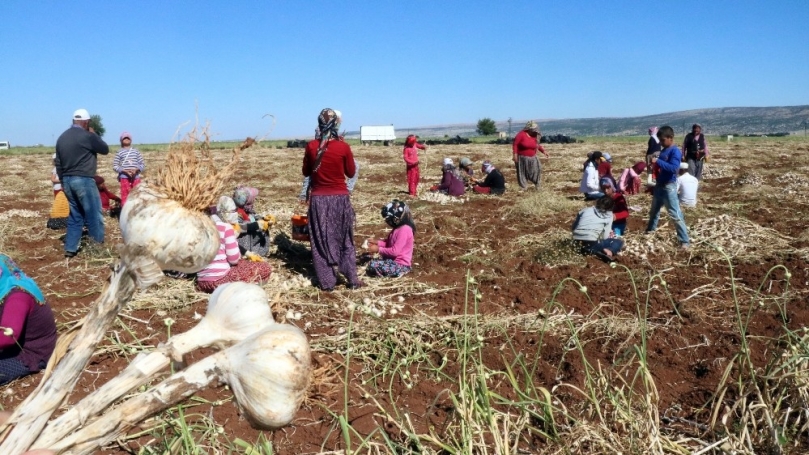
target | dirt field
[{"x": 501, "y": 340}]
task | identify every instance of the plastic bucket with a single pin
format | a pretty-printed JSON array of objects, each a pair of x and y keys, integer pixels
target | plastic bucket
[{"x": 300, "y": 227}]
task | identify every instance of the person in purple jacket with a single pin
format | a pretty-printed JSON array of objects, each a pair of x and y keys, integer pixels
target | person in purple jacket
[
  {"x": 665, "y": 190},
  {"x": 27, "y": 326},
  {"x": 396, "y": 252},
  {"x": 451, "y": 180}
]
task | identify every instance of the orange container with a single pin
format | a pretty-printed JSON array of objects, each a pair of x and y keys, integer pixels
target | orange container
[{"x": 300, "y": 227}]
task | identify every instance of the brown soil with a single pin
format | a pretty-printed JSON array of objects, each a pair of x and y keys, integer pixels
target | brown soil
[{"x": 692, "y": 339}]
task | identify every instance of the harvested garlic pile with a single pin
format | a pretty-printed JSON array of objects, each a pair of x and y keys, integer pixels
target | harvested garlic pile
[
  {"x": 441, "y": 198},
  {"x": 644, "y": 246},
  {"x": 749, "y": 178},
  {"x": 378, "y": 307}
]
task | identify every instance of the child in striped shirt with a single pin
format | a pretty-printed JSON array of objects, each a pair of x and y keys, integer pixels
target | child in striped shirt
[
  {"x": 128, "y": 163},
  {"x": 227, "y": 266}
]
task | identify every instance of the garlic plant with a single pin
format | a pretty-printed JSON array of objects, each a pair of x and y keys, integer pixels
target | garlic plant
[
  {"x": 235, "y": 311},
  {"x": 269, "y": 373},
  {"x": 160, "y": 228}
]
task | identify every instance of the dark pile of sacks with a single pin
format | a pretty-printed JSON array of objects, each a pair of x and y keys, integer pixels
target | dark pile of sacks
[
  {"x": 557, "y": 139},
  {"x": 296, "y": 144},
  {"x": 457, "y": 140}
]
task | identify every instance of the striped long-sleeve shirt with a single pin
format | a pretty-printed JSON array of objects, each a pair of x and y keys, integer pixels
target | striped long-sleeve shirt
[
  {"x": 128, "y": 158},
  {"x": 227, "y": 255}
]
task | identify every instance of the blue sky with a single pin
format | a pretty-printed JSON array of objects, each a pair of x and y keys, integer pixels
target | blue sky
[{"x": 144, "y": 65}]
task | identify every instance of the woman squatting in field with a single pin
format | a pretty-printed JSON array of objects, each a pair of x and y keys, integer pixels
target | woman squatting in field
[
  {"x": 27, "y": 326},
  {"x": 227, "y": 265},
  {"x": 396, "y": 251},
  {"x": 327, "y": 162}
]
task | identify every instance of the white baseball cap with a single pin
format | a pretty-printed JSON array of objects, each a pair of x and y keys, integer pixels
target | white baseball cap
[
  {"x": 81, "y": 114},
  {"x": 683, "y": 165}
]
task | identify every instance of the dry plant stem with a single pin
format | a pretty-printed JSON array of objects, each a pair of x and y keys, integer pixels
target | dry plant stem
[
  {"x": 118, "y": 421},
  {"x": 30, "y": 418}
]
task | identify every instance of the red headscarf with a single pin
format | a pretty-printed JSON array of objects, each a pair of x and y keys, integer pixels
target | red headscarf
[{"x": 410, "y": 141}]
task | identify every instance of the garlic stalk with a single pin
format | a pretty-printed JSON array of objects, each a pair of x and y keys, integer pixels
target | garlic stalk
[
  {"x": 235, "y": 311},
  {"x": 269, "y": 373}
]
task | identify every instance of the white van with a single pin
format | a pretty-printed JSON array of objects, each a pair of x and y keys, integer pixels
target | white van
[
  {"x": 4, "y": 145},
  {"x": 384, "y": 133}
]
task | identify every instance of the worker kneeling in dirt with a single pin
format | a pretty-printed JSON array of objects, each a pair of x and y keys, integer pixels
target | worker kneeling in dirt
[{"x": 593, "y": 230}]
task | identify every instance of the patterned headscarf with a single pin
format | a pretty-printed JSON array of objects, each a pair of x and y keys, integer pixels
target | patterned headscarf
[
  {"x": 12, "y": 278},
  {"x": 226, "y": 210},
  {"x": 531, "y": 126},
  {"x": 244, "y": 197},
  {"x": 328, "y": 127},
  {"x": 396, "y": 213},
  {"x": 488, "y": 166}
]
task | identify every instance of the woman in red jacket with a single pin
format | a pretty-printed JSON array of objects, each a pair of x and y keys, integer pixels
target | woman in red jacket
[
  {"x": 620, "y": 212},
  {"x": 327, "y": 162},
  {"x": 524, "y": 154}
]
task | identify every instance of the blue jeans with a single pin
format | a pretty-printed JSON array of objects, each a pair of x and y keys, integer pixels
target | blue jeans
[
  {"x": 667, "y": 195},
  {"x": 85, "y": 210},
  {"x": 597, "y": 247},
  {"x": 619, "y": 227}
]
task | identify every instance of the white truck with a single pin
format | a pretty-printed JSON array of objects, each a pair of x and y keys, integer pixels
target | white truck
[
  {"x": 4, "y": 145},
  {"x": 384, "y": 133}
]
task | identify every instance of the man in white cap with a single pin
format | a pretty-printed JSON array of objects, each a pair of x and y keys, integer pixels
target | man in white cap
[
  {"x": 77, "y": 150},
  {"x": 687, "y": 186}
]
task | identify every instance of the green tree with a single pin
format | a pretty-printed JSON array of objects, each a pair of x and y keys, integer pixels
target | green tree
[
  {"x": 486, "y": 127},
  {"x": 96, "y": 125}
]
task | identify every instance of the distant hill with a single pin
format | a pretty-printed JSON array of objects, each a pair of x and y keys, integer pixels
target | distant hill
[{"x": 715, "y": 121}]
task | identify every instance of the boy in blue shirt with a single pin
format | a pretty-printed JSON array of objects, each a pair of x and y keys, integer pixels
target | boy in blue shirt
[{"x": 665, "y": 191}]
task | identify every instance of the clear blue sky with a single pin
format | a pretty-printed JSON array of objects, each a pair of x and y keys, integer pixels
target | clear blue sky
[{"x": 143, "y": 65}]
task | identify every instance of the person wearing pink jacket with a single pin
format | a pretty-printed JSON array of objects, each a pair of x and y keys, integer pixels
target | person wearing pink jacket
[
  {"x": 396, "y": 252},
  {"x": 411, "y": 159}
]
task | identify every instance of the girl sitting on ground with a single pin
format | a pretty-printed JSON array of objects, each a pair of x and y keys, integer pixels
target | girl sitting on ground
[
  {"x": 227, "y": 265},
  {"x": 589, "y": 179},
  {"x": 106, "y": 197},
  {"x": 28, "y": 334},
  {"x": 254, "y": 236},
  {"x": 451, "y": 182},
  {"x": 465, "y": 169},
  {"x": 494, "y": 183},
  {"x": 593, "y": 230},
  {"x": 620, "y": 213},
  {"x": 396, "y": 252},
  {"x": 630, "y": 181}
]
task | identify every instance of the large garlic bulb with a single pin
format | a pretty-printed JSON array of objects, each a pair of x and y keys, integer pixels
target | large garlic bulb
[
  {"x": 235, "y": 310},
  {"x": 174, "y": 237},
  {"x": 270, "y": 378}
]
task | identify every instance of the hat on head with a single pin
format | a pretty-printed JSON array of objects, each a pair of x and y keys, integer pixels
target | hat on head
[
  {"x": 608, "y": 157},
  {"x": 81, "y": 114},
  {"x": 531, "y": 126},
  {"x": 465, "y": 161},
  {"x": 683, "y": 166},
  {"x": 125, "y": 134},
  {"x": 447, "y": 161}
]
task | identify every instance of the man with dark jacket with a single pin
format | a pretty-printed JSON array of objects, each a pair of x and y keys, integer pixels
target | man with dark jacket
[{"x": 77, "y": 150}]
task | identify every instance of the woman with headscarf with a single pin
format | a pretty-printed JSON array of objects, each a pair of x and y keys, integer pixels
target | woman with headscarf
[
  {"x": 620, "y": 212},
  {"x": 605, "y": 169},
  {"x": 653, "y": 149},
  {"x": 630, "y": 180},
  {"x": 524, "y": 154},
  {"x": 227, "y": 266},
  {"x": 27, "y": 326},
  {"x": 589, "y": 179},
  {"x": 253, "y": 238},
  {"x": 494, "y": 183},
  {"x": 327, "y": 162},
  {"x": 396, "y": 252},
  {"x": 695, "y": 150},
  {"x": 451, "y": 180},
  {"x": 465, "y": 169}
]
